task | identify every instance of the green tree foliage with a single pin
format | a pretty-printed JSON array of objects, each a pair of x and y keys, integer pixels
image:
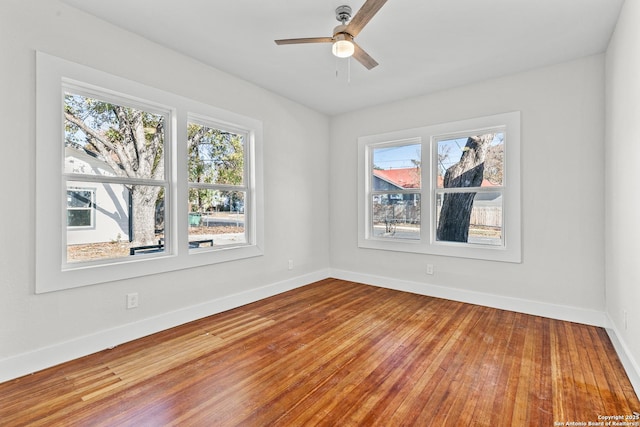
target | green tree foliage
[{"x": 215, "y": 157}]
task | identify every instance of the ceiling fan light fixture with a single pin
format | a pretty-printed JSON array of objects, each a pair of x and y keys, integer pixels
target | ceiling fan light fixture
[{"x": 343, "y": 48}]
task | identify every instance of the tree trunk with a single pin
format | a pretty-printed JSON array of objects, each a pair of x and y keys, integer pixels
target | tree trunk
[
  {"x": 453, "y": 225},
  {"x": 143, "y": 200}
]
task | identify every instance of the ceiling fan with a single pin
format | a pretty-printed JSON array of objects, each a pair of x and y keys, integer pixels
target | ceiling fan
[{"x": 343, "y": 44}]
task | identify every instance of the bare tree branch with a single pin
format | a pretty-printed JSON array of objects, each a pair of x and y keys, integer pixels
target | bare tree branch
[{"x": 89, "y": 131}]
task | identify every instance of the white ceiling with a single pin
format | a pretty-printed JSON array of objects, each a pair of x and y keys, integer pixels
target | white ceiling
[{"x": 422, "y": 45}]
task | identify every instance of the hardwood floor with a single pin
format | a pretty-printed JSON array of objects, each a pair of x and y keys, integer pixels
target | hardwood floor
[{"x": 338, "y": 353}]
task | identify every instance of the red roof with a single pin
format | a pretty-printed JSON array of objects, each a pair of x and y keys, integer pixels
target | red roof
[
  {"x": 403, "y": 178},
  {"x": 410, "y": 178}
]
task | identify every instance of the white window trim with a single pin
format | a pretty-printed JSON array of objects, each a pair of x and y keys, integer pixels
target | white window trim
[
  {"x": 51, "y": 273},
  {"x": 511, "y": 251}
]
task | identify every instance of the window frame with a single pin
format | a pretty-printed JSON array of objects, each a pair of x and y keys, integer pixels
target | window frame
[
  {"x": 244, "y": 187},
  {"x": 451, "y": 190},
  {"x": 509, "y": 251},
  {"x": 78, "y": 88},
  {"x": 373, "y": 191},
  {"x": 52, "y": 73}
]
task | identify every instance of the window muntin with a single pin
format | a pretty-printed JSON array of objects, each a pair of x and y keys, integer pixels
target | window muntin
[
  {"x": 217, "y": 185},
  {"x": 493, "y": 203},
  {"x": 469, "y": 187},
  {"x": 119, "y": 147}
]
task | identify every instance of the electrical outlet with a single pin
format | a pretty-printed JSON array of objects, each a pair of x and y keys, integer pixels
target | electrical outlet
[
  {"x": 430, "y": 269},
  {"x": 132, "y": 300},
  {"x": 290, "y": 264}
]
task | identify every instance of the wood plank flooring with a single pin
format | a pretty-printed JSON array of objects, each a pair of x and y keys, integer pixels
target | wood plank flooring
[{"x": 337, "y": 353}]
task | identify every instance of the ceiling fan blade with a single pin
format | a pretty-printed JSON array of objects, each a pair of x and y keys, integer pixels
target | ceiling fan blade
[
  {"x": 363, "y": 16},
  {"x": 305, "y": 40},
  {"x": 363, "y": 57}
]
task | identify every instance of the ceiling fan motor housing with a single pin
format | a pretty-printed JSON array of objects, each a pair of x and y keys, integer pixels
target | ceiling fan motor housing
[{"x": 343, "y": 13}]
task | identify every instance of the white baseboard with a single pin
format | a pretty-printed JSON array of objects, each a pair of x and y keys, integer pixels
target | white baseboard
[
  {"x": 26, "y": 363},
  {"x": 631, "y": 366},
  {"x": 553, "y": 311}
]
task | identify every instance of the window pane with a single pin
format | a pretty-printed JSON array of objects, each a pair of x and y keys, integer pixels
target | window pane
[
  {"x": 396, "y": 167},
  {"x": 474, "y": 161},
  {"x": 102, "y": 138},
  {"x": 79, "y": 218},
  {"x": 216, "y": 218},
  {"x": 129, "y": 220},
  {"x": 79, "y": 198},
  {"x": 396, "y": 216},
  {"x": 215, "y": 156},
  {"x": 469, "y": 218}
]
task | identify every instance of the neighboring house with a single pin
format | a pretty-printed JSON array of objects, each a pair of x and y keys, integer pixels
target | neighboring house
[
  {"x": 408, "y": 178},
  {"x": 396, "y": 179},
  {"x": 396, "y": 208},
  {"x": 96, "y": 211}
]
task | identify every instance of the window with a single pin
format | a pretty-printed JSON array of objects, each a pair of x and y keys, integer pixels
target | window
[
  {"x": 217, "y": 185},
  {"x": 468, "y": 188},
  {"x": 146, "y": 181},
  {"x": 396, "y": 190},
  {"x": 451, "y": 189},
  {"x": 118, "y": 146},
  {"x": 80, "y": 203}
]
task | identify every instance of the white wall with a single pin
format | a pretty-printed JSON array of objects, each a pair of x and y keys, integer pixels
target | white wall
[
  {"x": 36, "y": 330},
  {"x": 562, "y": 133},
  {"x": 623, "y": 182}
]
